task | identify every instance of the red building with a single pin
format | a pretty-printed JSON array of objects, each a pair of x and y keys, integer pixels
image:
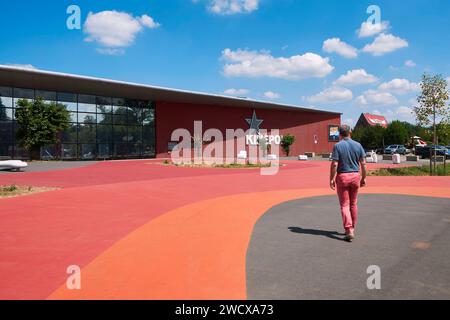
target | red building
[
  {"x": 112, "y": 119},
  {"x": 367, "y": 119}
]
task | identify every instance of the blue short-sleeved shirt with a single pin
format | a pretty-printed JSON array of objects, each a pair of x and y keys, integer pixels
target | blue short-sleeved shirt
[{"x": 348, "y": 153}]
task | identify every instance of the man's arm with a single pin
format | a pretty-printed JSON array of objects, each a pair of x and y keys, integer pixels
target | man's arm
[
  {"x": 333, "y": 167},
  {"x": 333, "y": 172},
  {"x": 363, "y": 172}
]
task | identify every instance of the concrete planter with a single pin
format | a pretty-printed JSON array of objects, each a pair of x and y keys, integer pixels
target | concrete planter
[
  {"x": 326, "y": 155},
  {"x": 310, "y": 154},
  {"x": 438, "y": 159},
  {"x": 387, "y": 157},
  {"x": 412, "y": 158}
]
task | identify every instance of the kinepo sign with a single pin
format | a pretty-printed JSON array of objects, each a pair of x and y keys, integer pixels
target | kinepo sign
[{"x": 254, "y": 137}]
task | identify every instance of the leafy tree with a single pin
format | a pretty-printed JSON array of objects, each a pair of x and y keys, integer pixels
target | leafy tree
[
  {"x": 433, "y": 108},
  {"x": 370, "y": 137},
  {"x": 286, "y": 142},
  {"x": 414, "y": 129},
  {"x": 396, "y": 133},
  {"x": 39, "y": 123},
  {"x": 443, "y": 133}
]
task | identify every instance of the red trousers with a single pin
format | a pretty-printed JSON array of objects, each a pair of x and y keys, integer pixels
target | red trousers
[{"x": 347, "y": 188}]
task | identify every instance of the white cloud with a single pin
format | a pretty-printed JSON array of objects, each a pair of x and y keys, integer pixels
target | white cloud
[
  {"x": 332, "y": 95},
  {"x": 244, "y": 63},
  {"x": 236, "y": 92},
  {"x": 369, "y": 29},
  {"x": 356, "y": 77},
  {"x": 111, "y": 51},
  {"x": 349, "y": 121},
  {"x": 339, "y": 47},
  {"x": 410, "y": 63},
  {"x": 149, "y": 22},
  {"x": 271, "y": 95},
  {"x": 228, "y": 7},
  {"x": 385, "y": 43},
  {"x": 413, "y": 102},
  {"x": 376, "y": 98},
  {"x": 399, "y": 86},
  {"x": 361, "y": 101},
  {"x": 21, "y": 66},
  {"x": 401, "y": 113},
  {"x": 114, "y": 30},
  {"x": 377, "y": 112}
]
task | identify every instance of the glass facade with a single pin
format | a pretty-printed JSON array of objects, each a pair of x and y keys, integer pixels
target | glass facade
[{"x": 100, "y": 127}]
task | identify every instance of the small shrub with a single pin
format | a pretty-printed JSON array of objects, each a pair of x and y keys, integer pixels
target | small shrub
[
  {"x": 286, "y": 142},
  {"x": 10, "y": 188}
]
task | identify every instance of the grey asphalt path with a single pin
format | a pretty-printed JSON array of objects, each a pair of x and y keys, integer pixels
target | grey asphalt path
[
  {"x": 39, "y": 166},
  {"x": 297, "y": 252}
]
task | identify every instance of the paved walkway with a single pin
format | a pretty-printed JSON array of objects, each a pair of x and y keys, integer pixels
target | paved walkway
[
  {"x": 139, "y": 229},
  {"x": 39, "y": 166},
  {"x": 297, "y": 250}
]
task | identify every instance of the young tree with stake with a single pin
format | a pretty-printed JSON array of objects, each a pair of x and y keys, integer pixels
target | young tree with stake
[{"x": 432, "y": 106}]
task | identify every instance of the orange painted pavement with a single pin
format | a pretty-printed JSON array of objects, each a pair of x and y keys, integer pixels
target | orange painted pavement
[{"x": 194, "y": 252}]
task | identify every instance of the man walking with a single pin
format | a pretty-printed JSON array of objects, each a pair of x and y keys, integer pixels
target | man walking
[{"x": 348, "y": 157}]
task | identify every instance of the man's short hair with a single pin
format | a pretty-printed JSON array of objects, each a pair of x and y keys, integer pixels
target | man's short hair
[{"x": 344, "y": 130}]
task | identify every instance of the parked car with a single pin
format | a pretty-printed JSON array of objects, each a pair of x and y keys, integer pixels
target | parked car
[
  {"x": 418, "y": 150},
  {"x": 395, "y": 148},
  {"x": 424, "y": 152}
]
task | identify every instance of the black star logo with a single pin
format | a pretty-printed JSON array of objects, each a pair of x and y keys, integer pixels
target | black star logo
[{"x": 254, "y": 123}]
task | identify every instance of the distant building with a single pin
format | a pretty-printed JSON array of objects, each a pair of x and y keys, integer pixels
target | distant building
[{"x": 367, "y": 119}]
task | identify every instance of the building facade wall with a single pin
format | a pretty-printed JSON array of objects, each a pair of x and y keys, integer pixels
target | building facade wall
[
  {"x": 115, "y": 120},
  {"x": 309, "y": 128}
]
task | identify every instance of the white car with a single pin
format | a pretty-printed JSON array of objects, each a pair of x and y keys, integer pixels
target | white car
[{"x": 13, "y": 165}]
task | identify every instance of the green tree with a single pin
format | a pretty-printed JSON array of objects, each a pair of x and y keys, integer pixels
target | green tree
[
  {"x": 426, "y": 133},
  {"x": 443, "y": 133},
  {"x": 432, "y": 106},
  {"x": 396, "y": 133},
  {"x": 39, "y": 123},
  {"x": 370, "y": 137},
  {"x": 286, "y": 142}
]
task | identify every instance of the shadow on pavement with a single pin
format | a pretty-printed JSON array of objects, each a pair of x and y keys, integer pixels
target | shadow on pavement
[{"x": 330, "y": 234}]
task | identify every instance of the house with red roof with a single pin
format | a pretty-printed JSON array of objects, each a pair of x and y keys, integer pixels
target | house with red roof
[{"x": 367, "y": 119}]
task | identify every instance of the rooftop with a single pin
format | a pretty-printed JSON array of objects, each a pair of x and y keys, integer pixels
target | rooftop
[
  {"x": 373, "y": 119},
  {"x": 64, "y": 82}
]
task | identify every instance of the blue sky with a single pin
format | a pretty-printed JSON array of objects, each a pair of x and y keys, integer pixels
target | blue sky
[{"x": 307, "y": 53}]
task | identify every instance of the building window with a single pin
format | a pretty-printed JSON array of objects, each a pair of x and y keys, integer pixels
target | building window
[
  {"x": 100, "y": 127},
  {"x": 47, "y": 96},
  {"x": 20, "y": 93},
  {"x": 6, "y": 123}
]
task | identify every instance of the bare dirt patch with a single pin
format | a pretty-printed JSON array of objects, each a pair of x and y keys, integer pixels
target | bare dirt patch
[{"x": 16, "y": 191}]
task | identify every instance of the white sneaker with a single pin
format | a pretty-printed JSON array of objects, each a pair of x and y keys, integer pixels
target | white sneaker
[{"x": 349, "y": 237}]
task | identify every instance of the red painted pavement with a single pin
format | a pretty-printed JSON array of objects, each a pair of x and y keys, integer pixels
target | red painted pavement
[{"x": 100, "y": 204}]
